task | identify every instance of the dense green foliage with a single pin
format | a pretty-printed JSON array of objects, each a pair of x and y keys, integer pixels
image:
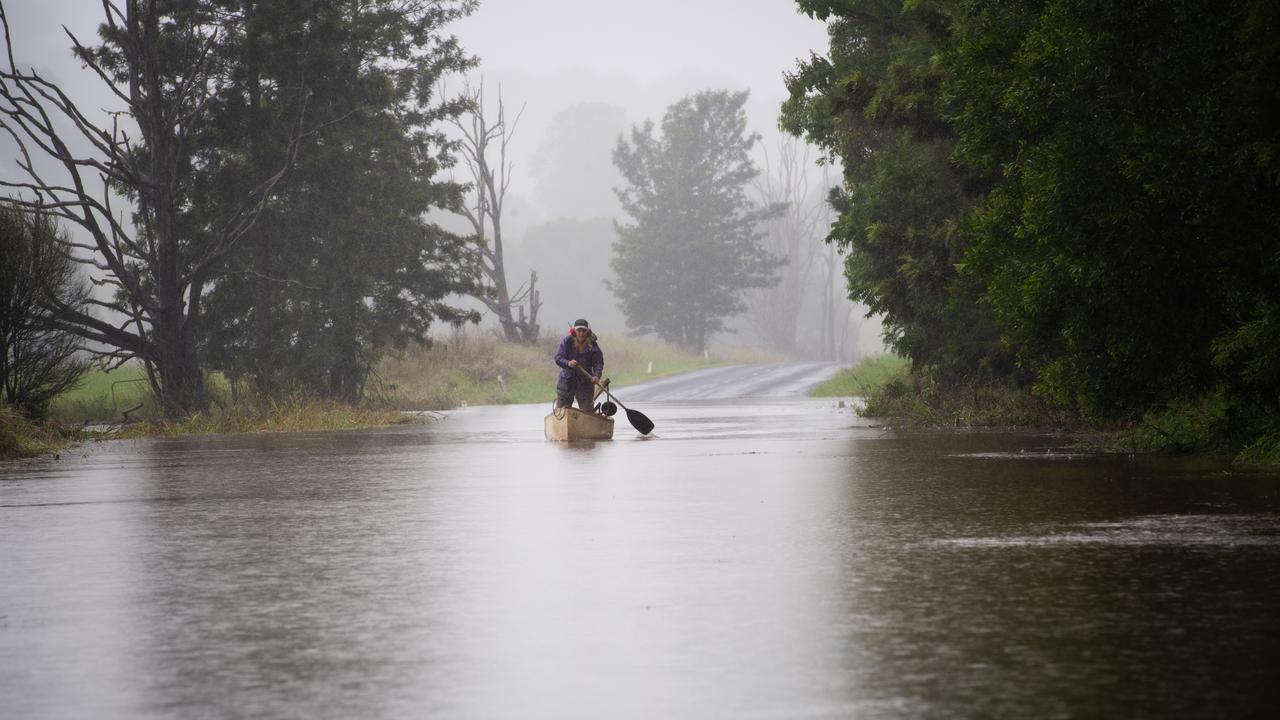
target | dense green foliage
[
  {"x": 694, "y": 243},
  {"x": 341, "y": 266},
  {"x": 1079, "y": 195},
  {"x": 875, "y": 104},
  {"x": 37, "y": 358},
  {"x": 279, "y": 158},
  {"x": 1130, "y": 244}
]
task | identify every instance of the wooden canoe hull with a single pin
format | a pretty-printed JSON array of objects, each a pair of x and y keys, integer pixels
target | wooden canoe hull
[{"x": 565, "y": 424}]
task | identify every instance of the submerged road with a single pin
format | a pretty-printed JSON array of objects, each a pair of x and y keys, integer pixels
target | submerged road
[{"x": 760, "y": 555}]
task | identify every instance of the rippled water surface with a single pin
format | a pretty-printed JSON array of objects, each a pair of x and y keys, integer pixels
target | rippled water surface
[{"x": 758, "y": 559}]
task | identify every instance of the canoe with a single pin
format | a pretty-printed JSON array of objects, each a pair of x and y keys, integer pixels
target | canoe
[{"x": 572, "y": 424}]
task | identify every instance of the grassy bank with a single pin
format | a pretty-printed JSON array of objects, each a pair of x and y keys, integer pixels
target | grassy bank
[
  {"x": 474, "y": 369},
  {"x": 20, "y": 438},
  {"x": 483, "y": 370},
  {"x": 1205, "y": 426},
  {"x": 892, "y": 391},
  {"x": 291, "y": 414},
  {"x": 868, "y": 376},
  {"x": 466, "y": 368}
]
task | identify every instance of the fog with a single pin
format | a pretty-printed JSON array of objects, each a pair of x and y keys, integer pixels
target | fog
[{"x": 578, "y": 73}]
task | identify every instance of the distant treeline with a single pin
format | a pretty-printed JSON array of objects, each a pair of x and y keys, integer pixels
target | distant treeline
[{"x": 1079, "y": 197}]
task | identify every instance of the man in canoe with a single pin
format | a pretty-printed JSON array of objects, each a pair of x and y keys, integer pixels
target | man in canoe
[{"x": 580, "y": 349}]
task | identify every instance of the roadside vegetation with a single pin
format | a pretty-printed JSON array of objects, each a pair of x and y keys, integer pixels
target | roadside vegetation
[
  {"x": 1205, "y": 426},
  {"x": 1045, "y": 245},
  {"x": 481, "y": 369},
  {"x": 864, "y": 379},
  {"x": 20, "y": 437},
  {"x": 465, "y": 369},
  {"x": 890, "y": 390}
]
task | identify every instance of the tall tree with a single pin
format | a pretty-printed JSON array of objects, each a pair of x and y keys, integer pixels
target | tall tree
[
  {"x": 875, "y": 103},
  {"x": 342, "y": 266},
  {"x": 490, "y": 178},
  {"x": 159, "y": 59},
  {"x": 1130, "y": 242},
  {"x": 37, "y": 359},
  {"x": 694, "y": 243}
]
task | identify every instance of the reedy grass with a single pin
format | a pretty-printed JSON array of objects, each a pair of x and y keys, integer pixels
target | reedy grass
[
  {"x": 865, "y": 378},
  {"x": 21, "y": 438},
  {"x": 975, "y": 404},
  {"x": 481, "y": 369},
  {"x": 295, "y": 413},
  {"x": 891, "y": 390}
]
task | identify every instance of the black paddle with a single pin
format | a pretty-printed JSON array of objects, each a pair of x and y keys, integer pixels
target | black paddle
[{"x": 637, "y": 419}]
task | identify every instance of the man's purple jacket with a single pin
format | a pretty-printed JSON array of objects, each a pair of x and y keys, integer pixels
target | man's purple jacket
[{"x": 590, "y": 359}]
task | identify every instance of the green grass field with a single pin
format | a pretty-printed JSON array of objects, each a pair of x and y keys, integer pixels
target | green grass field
[
  {"x": 868, "y": 376},
  {"x": 103, "y": 396}
]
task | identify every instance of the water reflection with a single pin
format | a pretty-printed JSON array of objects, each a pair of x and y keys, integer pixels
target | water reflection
[{"x": 762, "y": 559}]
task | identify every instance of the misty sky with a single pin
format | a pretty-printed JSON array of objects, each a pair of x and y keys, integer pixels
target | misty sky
[
  {"x": 547, "y": 54},
  {"x": 748, "y": 41},
  {"x": 642, "y": 56}
]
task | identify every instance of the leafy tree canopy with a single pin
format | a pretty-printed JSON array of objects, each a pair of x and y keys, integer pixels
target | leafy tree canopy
[
  {"x": 1088, "y": 189},
  {"x": 1129, "y": 245},
  {"x": 342, "y": 265},
  {"x": 876, "y": 104}
]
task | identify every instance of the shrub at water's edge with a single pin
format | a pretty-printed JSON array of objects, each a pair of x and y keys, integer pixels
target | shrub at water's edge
[
  {"x": 890, "y": 389},
  {"x": 21, "y": 438},
  {"x": 1210, "y": 424},
  {"x": 1213, "y": 424}
]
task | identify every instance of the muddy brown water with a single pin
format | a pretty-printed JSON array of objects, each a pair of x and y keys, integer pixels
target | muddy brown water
[{"x": 760, "y": 558}]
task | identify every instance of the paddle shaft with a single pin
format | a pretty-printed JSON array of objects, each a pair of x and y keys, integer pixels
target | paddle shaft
[
  {"x": 637, "y": 419},
  {"x": 603, "y": 387}
]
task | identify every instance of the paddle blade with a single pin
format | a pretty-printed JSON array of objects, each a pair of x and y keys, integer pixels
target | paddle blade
[{"x": 638, "y": 421}]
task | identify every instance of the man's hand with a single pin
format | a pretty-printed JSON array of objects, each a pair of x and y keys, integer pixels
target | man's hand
[
  {"x": 573, "y": 363},
  {"x": 595, "y": 380}
]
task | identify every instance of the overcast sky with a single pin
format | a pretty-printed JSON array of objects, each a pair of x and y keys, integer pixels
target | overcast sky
[
  {"x": 545, "y": 55},
  {"x": 549, "y": 54},
  {"x": 641, "y": 56},
  {"x": 749, "y": 41}
]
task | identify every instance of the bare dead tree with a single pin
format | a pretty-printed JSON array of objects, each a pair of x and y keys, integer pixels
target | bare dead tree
[
  {"x": 797, "y": 235},
  {"x": 161, "y": 66},
  {"x": 483, "y": 209}
]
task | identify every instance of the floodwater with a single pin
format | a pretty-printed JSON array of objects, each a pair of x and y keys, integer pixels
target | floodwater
[{"x": 762, "y": 557}]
